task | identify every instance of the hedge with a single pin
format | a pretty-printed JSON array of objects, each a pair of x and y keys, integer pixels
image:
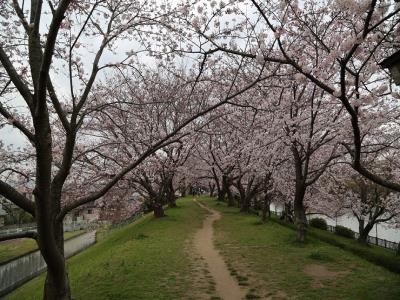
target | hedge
[
  {"x": 344, "y": 231},
  {"x": 319, "y": 223}
]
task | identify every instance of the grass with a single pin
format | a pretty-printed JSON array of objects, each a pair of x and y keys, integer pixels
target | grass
[
  {"x": 278, "y": 267},
  {"x": 14, "y": 248},
  {"x": 372, "y": 253},
  {"x": 143, "y": 260},
  {"x": 378, "y": 255},
  {"x": 149, "y": 259}
]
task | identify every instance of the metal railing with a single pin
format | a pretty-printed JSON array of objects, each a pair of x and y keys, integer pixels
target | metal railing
[
  {"x": 74, "y": 226},
  {"x": 17, "y": 230},
  {"x": 370, "y": 239}
]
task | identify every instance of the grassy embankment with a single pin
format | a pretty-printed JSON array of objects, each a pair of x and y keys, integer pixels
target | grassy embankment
[
  {"x": 147, "y": 259},
  {"x": 14, "y": 248},
  {"x": 266, "y": 258}
]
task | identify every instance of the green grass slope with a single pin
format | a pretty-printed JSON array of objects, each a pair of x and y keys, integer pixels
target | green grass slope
[
  {"x": 147, "y": 259},
  {"x": 266, "y": 258},
  {"x": 150, "y": 259}
]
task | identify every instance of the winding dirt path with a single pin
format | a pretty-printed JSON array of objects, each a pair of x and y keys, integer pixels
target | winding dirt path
[{"x": 226, "y": 286}]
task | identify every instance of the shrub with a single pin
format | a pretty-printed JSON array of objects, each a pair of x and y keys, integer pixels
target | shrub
[
  {"x": 344, "y": 231},
  {"x": 319, "y": 223},
  {"x": 320, "y": 255}
]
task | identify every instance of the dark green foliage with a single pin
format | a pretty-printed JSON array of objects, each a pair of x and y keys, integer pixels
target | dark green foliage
[
  {"x": 320, "y": 255},
  {"x": 344, "y": 231},
  {"x": 319, "y": 223},
  {"x": 252, "y": 296},
  {"x": 141, "y": 236}
]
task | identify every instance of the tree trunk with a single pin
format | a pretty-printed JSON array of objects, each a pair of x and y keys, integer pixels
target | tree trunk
[
  {"x": 183, "y": 191},
  {"x": 301, "y": 224},
  {"x": 172, "y": 203},
  {"x": 170, "y": 193},
  {"x": 264, "y": 217},
  {"x": 245, "y": 205},
  {"x": 57, "y": 282},
  {"x": 364, "y": 231},
  {"x": 221, "y": 195},
  {"x": 47, "y": 194},
  {"x": 56, "y": 287},
  {"x": 212, "y": 189},
  {"x": 231, "y": 200},
  {"x": 158, "y": 210},
  {"x": 224, "y": 189},
  {"x": 266, "y": 211},
  {"x": 300, "y": 214}
]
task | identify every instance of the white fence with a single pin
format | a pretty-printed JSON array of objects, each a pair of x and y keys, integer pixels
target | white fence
[{"x": 21, "y": 269}]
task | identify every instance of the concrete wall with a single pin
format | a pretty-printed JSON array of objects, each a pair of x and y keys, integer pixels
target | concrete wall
[{"x": 16, "y": 272}]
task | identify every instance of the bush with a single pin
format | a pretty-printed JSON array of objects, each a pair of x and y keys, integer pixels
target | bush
[
  {"x": 320, "y": 255},
  {"x": 344, "y": 231},
  {"x": 319, "y": 223}
]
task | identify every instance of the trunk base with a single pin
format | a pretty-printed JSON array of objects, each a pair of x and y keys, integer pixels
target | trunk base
[
  {"x": 158, "y": 212},
  {"x": 172, "y": 204},
  {"x": 301, "y": 224},
  {"x": 301, "y": 235},
  {"x": 59, "y": 291}
]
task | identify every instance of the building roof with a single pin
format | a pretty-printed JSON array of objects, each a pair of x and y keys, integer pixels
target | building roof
[{"x": 391, "y": 60}]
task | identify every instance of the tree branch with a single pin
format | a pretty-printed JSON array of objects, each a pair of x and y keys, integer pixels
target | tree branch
[{"x": 16, "y": 197}]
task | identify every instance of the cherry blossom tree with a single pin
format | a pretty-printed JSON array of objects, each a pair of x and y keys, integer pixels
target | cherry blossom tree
[
  {"x": 41, "y": 51},
  {"x": 308, "y": 38},
  {"x": 345, "y": 192}
]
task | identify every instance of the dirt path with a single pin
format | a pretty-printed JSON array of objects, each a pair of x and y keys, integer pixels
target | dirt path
[{"x": 226, "y": 286}]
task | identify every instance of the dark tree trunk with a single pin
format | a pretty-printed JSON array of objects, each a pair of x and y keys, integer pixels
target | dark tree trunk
[
  {"x": 47, "y": 194},
  {"x": 231, "y": 199},
  {"x": 170, "y": 193},
  {"x": 300, "y": 215},
  {"x": 172, "y": 203},
  {"x": 238, "y": 201},
  {"x": 224, "y": 189},
  {"x": 364, "y": 231},
  {"x": 171, "y": 198},
  {"x": 158, "y": 210},
  {"x": 245, "y": 205},
  {"x": 300, "y": 191},
  {"x": 287, "y": 213},
  {"x": 183, "y": 191},
  {"x": 57, "y": 282},
  {"x": 212, "y": 189},
  {"x": 220, "y": 195},
  {"x": 51, "y": 244},
  {"x": 266, "y": 211},
  {"x": 264, "y": 215},
  {"x": 56, "y": 287},
  {"x": 220, "y": 192},
  {"x": 301, "y": 224}
]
